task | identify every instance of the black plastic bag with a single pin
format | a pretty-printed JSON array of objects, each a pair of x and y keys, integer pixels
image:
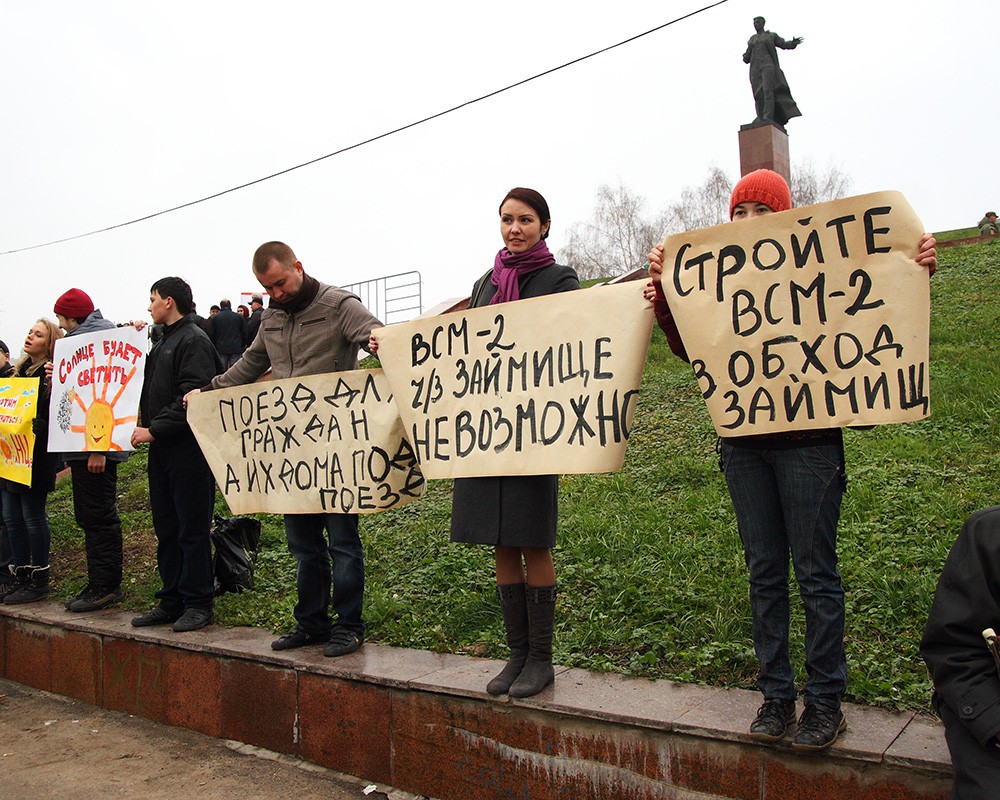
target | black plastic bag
[{"x": 236, "y": 541}]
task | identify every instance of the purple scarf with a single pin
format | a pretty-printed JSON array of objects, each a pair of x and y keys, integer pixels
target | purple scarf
[{"x": 508, "y": 268}]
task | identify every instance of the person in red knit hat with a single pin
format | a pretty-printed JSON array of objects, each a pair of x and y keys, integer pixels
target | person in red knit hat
[
  {"x": 786, "y": 490},
  {"x": 95, "y": 482}
]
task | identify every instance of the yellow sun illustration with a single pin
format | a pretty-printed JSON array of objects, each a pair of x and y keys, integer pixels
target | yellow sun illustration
[{"x": 99, "y": 418}]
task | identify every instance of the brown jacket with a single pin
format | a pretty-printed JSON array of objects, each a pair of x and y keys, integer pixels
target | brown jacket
[{"x": 323, "y": 337}]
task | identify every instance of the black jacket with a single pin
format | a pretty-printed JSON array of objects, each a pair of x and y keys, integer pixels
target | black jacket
[
  {"x": 253, "y": 324},
  {"x": 228, "y": 331},
  {"x": 183, "y": 360},
  {"x": 966, "y": 602}
]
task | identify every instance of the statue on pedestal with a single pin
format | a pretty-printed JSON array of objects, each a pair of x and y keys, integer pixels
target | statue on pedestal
[{"x": 771, "y": 95}]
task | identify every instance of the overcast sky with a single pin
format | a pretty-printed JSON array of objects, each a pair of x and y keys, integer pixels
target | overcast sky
[{"x": 117, "y": 110}]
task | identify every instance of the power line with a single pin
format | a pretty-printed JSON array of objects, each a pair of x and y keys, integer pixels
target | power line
[{"x": 367, "y": 141}]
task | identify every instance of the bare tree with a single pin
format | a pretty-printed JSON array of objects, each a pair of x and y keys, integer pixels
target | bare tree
[
  {"x": 619, "y": 235},
  {"x": 810, "y": 187},
  {"x": 617, "y": 238},
  {"x": 701, "y": 206}
]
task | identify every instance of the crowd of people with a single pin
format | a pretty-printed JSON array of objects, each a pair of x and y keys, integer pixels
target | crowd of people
[{"x": 786, "y": 488}]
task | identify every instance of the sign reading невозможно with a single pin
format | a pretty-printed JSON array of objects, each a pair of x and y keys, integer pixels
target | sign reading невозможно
[
  {"x": 330, "y": 443},
  {"x": 817, "y": 317},
  {"x": 540, "y": 386}
]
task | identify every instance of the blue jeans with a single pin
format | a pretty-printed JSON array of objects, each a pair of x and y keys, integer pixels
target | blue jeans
[
  {"x": 319, "y": 542},
  {"x": 788, "y": 501},
  {"x": 27, "y": 527}
]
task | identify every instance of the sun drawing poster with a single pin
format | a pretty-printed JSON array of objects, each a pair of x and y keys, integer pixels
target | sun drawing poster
[{"x": 96, "y": 383}]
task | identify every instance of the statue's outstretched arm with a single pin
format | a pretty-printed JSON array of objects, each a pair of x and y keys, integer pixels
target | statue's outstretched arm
[{"x": 779, "y": 42}]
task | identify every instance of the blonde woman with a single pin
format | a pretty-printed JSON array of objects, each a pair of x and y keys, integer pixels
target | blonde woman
[{"x": 24, "y": 506}]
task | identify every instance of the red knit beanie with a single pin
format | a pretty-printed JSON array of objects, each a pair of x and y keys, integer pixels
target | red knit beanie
[
  {"x": 761, "y": 186},
  {"x": 74, "y": 304}
]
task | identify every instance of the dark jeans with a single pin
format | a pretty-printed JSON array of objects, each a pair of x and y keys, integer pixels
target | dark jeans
[
  {"x": 319, "y": 541},
  {"x": 95, "y": 505},
  {"x": 788, "y": 501},
  {"x": 27, "y": 527},
  {"x": 182, "y": 498},
  {"x": 6, "y": 559}
]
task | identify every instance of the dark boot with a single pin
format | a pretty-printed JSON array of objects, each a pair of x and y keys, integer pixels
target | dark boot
[
  {"x": 18, "y": 578},
  {"x": 35, "y": 587},
  {"x": 538, "y": 672},
  {"x": 515, "y": 622}
]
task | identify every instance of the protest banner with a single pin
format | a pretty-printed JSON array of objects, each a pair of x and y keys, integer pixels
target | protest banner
[
  {"x": 18, "y": 408},
  {"x": 96, "y": 384},
  {"x": 817, "y": 317},
  {"x": 542, "y": 386},
  {"x": 330, "y": 444}
]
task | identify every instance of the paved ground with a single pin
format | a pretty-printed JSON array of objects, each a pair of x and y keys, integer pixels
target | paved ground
[{"x": 53, "y": 748}]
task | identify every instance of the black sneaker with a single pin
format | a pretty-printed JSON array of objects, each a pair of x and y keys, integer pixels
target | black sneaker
[
  {"x": 156, "y": 616},
  {"x": 343, "y": 641},
  {"x": 818, "y": 728},
  {"x": 773, "y": 719},
  {"x": 95, "y": 599},
  {"x": 193, "y": 619},
  {"x": 77, "y": 596},
  {"x": 297, "y": 637}
]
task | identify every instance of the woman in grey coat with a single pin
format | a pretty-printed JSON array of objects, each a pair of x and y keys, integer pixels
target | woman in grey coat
[{"x": 517, "y": 514}]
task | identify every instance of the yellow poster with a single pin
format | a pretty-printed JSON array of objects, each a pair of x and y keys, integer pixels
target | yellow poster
[
  {"x": 817, "y": 317},
  {"x": 18, "y": 405}
]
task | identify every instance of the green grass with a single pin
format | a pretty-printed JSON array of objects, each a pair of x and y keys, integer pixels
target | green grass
[
  {"x": 649, "y": 562},
  {"x": 958, "y": 233}
]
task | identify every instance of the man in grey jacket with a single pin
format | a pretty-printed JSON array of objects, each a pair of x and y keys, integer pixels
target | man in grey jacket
[
  {"x": 310, "y": 328},
  {"x": 95, "y": 482}
]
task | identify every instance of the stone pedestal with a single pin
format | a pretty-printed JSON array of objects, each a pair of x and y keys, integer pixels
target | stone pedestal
[{"x": 765, "y": 147}]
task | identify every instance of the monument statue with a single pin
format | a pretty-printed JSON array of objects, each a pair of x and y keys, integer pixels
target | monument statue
[{"x": 770, "y": 89}]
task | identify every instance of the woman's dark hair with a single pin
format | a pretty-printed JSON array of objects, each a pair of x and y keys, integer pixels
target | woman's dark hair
[{"x": 531, "y": 198}]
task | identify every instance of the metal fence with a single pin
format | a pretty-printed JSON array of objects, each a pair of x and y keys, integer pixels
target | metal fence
[{"x": 391, "y": 298}]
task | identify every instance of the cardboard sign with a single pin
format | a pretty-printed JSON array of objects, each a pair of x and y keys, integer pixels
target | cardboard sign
[
  {"x": 330, "y": 444},
  {"x": 817, "y": 317},
  {"x": 96, "y": 384},
  {"x": 18, "y": 408},
  {"x": 540, "y": 386}
]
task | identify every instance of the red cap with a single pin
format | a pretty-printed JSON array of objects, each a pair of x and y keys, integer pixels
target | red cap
[
  {"x": 74, "y": 304},
  {"x": 761, "y": 186}
]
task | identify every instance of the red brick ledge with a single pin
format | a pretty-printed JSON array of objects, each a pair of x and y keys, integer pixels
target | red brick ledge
[{"x": 421, "y": 721}]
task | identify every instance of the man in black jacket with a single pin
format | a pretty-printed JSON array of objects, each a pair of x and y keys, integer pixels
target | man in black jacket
[
  {"x": 6, "y": 577},
  {"x": 229, "y": 333},
  {"x": 961, "y": 664},
  {"x": 181, "y": 486},
  {"x": 256, "y": 311}
]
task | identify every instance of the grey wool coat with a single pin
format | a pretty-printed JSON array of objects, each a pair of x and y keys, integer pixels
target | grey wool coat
[{"x": 514, "y": 510}]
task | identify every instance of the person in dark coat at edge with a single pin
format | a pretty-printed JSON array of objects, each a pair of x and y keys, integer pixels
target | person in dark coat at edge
[
  {"x": 181, "y": 486},
  {"x": 962, "y": 665},
  {"x": 517, "y": 514},
  {"x": 95, "y": 481}
]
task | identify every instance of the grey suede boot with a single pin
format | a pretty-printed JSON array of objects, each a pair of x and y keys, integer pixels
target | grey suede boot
[
  {"x": 515, "y": 622},
  {"x": 35, "y": 587},
  {"x": 538, "y": 671}
]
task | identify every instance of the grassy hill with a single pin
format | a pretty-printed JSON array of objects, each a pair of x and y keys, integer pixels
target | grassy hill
[{"x": 649, "y": 562}]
